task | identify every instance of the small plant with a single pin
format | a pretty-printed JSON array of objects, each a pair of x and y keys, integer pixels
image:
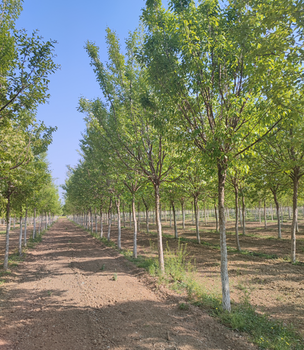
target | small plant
[
  {"x": 183, "y": 306},
  {"x": 103, "y": 267},
  {"x": 114, "y": 278}
]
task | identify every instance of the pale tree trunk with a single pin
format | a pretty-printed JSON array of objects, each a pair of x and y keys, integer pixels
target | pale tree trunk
[
  {"x": 135, "y": 227},
  {"x": 216, "y": 219},
  {"x": 25, "y": 222},
  {"x": 265, "y": 216},
  {"x": 34, "y": 224},
  {"x": 244, "y": 215},
  {"x": 205, "y": 213},
  {"x": 198, "y": 237},
  {"x": 8, "y": 228},
  {"x": 147, "y": 214},
  {"x": 109, "y": 219},
  {"x": 123, "y": 215},
  {"x": 174, "y": 220},
  {"x": 91, "y": 220},
  {"x": 101, "y": 223},
  {"x": 294, "y": 215},
  {"x": 236, "y": 198},
  {"x": 193, "y": 213},
  {"x": 159, "y": 230},
  {"x": 224, "y": 256},
  {"x": 20, "y": 237},
  {"x": 118, "y": 223},
  {"x": 95, "y": 212},
  {"x": 183, "y": 213},
  {"x": 260, "y": 219},
  {"x": 278, "y": 214},
  {"x": 170, "y": 214}
]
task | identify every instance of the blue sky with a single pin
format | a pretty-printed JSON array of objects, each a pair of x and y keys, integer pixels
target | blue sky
[{"x": 72, "y": 23}]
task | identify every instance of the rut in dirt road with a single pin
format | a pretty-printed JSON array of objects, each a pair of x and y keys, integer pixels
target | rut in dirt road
[{"x": 74, "y": 293}]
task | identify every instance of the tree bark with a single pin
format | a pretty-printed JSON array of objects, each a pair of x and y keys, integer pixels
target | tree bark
[
  {"x": 101, "y": 223},
  {"x": 109, "y": 219},
  {"x": 195, "y": 201},
  {"x": 294, "y": 215},
  {"x": 278, "y": 213},
  {"x": 159, "y": 230},
  {"x": 216, "y": 219},
  {"x": 224, "y": 256},
  {"x": 183, "y": 213},
  {"x": 95, "y": 214},
  {"x": 20, "y": 237},
  {"x": 265, "y": 216},
  {"x": 25, "y": 222},
  {"x": 135, "y": 227},
  {"x": 244, "y": 215},
  {"x": 8, "y": 227},
  {"x": 174, "y": 220},
  {"x": 118, "y": 223},
  {"x": 34, "y": 224},
  {"x": 236, "y": 198}
]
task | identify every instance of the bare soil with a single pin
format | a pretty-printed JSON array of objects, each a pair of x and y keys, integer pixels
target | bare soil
[
  {"x": 72, "y": 292},
  {"x": 274, "y": 286}
]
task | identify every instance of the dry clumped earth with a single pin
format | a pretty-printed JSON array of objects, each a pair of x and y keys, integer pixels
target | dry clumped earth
[{"x": 72, "y": 292}]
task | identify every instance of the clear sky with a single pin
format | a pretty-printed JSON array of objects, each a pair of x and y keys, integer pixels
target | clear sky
[{"x": 72, "y": 23}]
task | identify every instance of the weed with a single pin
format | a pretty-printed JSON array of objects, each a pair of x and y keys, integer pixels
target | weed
[
  {"x": 114, "y": 278},
  {"x": 183, "y": 306},
  {"x": 103, "y": 267}
]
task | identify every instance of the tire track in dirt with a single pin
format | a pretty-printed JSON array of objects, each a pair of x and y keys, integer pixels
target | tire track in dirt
[{"x": 64, "y": 297}]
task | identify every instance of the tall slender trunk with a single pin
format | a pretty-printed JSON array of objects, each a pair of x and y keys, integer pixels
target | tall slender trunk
[
  {"x": 278, "y": 213},
  {"x": 25, "y": 222},
  {"x": 95, "y": 213},
  {"x": 236, "y": 198},
  {"x": 294, "y": 215},
  {"x": 135, "y": 227},
  {"x": 34, "y": 224},
  {"x": 123, "y": 214},
  {"x": 174, "y": 220},
  {"x": 20, "y": 237},
  {"x": 118, "y": 223},
  {"x": 265, "y": 215},
  {"x": 91, "y": 220},
  {"x": 244, "y": 215},
  {"x": 101, "y": 223},
  {"x": 224, "y": 256},
  {"x": 159, "y": 230},
  {"x": 195, "y": 201},
  {"x": 147, "y": 214},
  {"x": 260, "y": 219},
  {"x": 205, "y": 213},
  {"x": 109, "y": 219},
  {"x": 8, "y": 228},
  {"x": 216, "y": 219},
  {"x": 183, "y": 214}
]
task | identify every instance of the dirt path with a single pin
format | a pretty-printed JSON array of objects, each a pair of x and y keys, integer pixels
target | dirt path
[{"x": 66, "y": 296}]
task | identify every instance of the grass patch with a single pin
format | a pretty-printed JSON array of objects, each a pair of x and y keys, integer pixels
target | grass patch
[{"x": 2, "y": 232}]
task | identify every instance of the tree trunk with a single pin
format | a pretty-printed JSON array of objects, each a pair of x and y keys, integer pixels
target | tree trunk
[
  {"x": 294, "y": 216},
  {"x": 101, "y": 223},
  {"x": 91, "y": 220},
  {"x": 147, "y": 214},
  {"x": 25, "y": 222},
  {"x": 20, "y": 237},
  {"x": 278, "y": 214},
  {"x": 216, "y": 219},
  {"x": 174, "y": 220},
  {"x": 260, "y": 219},
  {"x": 8, "y": 227},
  {"x": 244, "y": 215},
  {"x": 109, "y": 219},
  {"x": 95, "y": 213},
  {"x": 265, "y": 216},
  {"x": 135, "y": 227},
  {"x": 183, "y": 214},
  {"x": 118, "y": 223},
  {"x": 224, "y": 256},
  {"x": 195, "y": 201},
  {"x": 123, "y": 215},
  {"x": 236, "y": 198},
  {"x": 34, "y": 225},
  {"x": 159, "y": 230}
]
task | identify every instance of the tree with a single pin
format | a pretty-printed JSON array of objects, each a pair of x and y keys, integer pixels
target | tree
[{"x": 222, "y": 70}]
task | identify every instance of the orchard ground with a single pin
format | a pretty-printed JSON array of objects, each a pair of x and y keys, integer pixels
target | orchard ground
[{"x": 73, "y": 293}]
